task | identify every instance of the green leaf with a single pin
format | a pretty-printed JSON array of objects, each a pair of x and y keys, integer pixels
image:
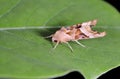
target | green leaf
[{"x": 25, "y": 53}]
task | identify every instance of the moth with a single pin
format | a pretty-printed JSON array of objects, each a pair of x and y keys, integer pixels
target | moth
[{"x": 75, "y": 33}]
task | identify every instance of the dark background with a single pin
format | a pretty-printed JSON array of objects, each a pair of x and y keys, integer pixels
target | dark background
[{"x": 112, "y": 74}]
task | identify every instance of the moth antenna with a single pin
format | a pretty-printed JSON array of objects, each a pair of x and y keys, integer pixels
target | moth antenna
[
  {"x": 56, "y": 45},
  {"x": 79, "y": 43},
  {"x": 49, "y": 36},
  {"x": 69, "y": 46}
]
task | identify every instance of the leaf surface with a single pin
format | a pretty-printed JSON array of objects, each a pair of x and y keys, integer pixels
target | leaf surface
[{"x": 25, "y": 53}]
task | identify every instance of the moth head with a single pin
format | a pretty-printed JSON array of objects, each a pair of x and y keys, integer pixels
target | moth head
[
  {"x": 61, "y": 36},
  {"x": 55, "y": 39}
]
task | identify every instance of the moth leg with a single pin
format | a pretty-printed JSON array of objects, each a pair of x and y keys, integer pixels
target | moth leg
[
  {"x": 56, "y": 45},
  {"x": 79, "y": 43},
  {"x": 69, "y": 46},
  {"x": 49, "y": 36}
]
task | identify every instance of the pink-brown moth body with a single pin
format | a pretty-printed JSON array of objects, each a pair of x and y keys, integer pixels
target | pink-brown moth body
[{"x": 75, "y": 33}]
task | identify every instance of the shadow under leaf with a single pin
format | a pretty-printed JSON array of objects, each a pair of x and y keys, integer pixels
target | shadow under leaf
[{"x": 46, "y": 32}]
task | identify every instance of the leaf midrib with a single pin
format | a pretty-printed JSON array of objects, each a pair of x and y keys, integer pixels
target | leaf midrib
[{"x": 49, "y": 27}]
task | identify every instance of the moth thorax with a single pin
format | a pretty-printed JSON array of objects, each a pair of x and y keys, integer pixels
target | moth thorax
[{"x": 61, "y": 36}]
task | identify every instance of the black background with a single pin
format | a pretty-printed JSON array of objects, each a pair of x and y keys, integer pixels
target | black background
[{"x": 112, "y": 74}]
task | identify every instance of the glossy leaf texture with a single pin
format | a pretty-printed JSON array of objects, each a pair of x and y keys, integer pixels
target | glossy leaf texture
[{"x": 26, "y": 53}]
